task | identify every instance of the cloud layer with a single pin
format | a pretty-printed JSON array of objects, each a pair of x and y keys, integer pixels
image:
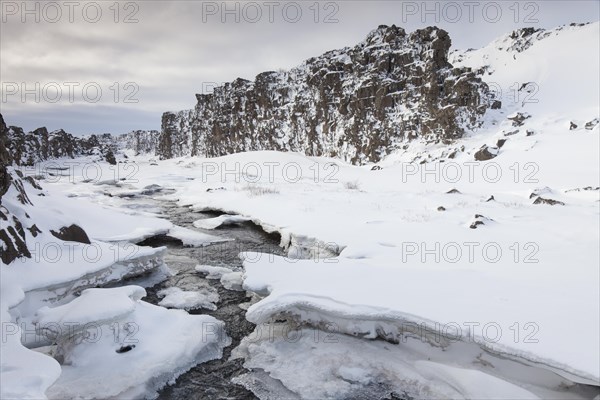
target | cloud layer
[{"x": 119, "y": 69}]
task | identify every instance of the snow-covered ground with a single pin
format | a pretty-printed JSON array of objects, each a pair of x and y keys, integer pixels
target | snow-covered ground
[
  {"x": 100, "y": 335},
  {"x": 470, "y": 270}
]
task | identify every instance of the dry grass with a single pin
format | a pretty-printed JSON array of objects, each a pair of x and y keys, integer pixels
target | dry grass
[
  {"x": 352, "y": 185},
  {"x": 257, "y": 190}
]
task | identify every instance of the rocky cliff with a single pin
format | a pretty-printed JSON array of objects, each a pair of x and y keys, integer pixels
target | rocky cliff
[
  {"x": 357, "y": 103},
  {"x": 140, "y": 141},
  {"x": 17, "y": 191},
  {"x": 39, "y": 145}
]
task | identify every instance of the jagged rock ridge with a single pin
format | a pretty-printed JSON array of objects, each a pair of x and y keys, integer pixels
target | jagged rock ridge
[
  {"x": 40, "y": 145},
  {"x": 357, "y": 103}
]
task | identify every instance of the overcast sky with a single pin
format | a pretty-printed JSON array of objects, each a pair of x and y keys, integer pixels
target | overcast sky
[{"x": 147, "y": 57}]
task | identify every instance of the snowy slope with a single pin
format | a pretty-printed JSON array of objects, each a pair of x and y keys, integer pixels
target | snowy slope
[{"x": 561, "y": 64}]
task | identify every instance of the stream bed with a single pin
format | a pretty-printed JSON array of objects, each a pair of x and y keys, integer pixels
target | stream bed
[{"x": 211, "y": 380}]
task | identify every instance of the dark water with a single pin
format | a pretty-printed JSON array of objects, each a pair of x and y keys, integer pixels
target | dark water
[{"x": 211, "y": 380}]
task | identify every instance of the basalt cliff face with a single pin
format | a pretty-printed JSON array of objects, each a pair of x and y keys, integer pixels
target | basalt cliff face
[
  {"x": 39, "y": 145},
  {"x": 357, "y": 104}
]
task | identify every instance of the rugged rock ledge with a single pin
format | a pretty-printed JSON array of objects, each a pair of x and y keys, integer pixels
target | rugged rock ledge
[{"x": 357, "y": 103}]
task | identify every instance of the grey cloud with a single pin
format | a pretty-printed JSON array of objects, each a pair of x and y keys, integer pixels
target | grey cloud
[{"x": 171, "y": 53}]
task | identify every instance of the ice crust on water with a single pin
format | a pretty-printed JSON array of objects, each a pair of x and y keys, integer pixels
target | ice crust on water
[
  {"x": 193, "y": 238},
  {"x": 213, "y": 272},
  {"x": 175, "y": 297},
  {"x": 136, "y": 346},
  {"x": 225, "y": 219},
  {"x": 288, "y": 361}
]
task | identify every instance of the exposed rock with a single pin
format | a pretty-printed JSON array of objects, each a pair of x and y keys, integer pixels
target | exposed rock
[
  {"x": 453, "y": 191},
  {"x": 30, "y": 148},
  {"x": 13, "y": 244},
  {"x": 142, "y": 142},
  {"x": 486, "y": 153},
  {"x": 500, "y": 143},
  {"x": 376, "y": 168},
  {"x": 572, "y": 126},
  {"x": 110, "y": 157},
  {"x": 539, "y": 191},
  {"x": 587, "y": 188},
  {"x": 529, "y": 132},
  {"x": 592, "y": 124},
  {"x": 519, "y": 118},
  {"x": 72, "y": 233},
  {"x": 479, "y": 220},
  {"x": 491, "y": 198},
  {"x": 441, "y": 208},
  {"x": 523, "y": 38},
  {"x": 541, "y": 200},
  {"x": 5, "y": 159},
  {"x": 125, "y": 349},
  {"x": 357, "y": 104},
  {"x": 34, "y": 230}
]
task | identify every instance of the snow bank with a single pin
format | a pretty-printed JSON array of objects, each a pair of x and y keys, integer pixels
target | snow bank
[
  {"x": 389, "y": 301},
  {"x": 288, "y": 361},
  {"x": 135, "y": 346}
]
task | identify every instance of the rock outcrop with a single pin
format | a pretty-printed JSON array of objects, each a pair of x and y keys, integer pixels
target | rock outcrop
[
  {"x": 357, "y": 104},
  {"x": 18, "y": 148},
  {"x": 40, "y": 145},
  {"x": 140, "y": 141}
]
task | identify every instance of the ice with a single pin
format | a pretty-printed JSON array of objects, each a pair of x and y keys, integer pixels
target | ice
[
  {"x": 100, "y": 306},
  {"x": 473, "y": 384},
  {"x": 193, "y": 238},
  {"x": 136, "y": 346},
  {"x": 232, "y": 280},
  {"x": 213, "y": 272},
  {"x": 26, "y": 374},
  {"x": 225, "y": 219},
  {"x": 174, "y": 297},
  {"x": 380, "y": 300},
  {"x": 295, "y": 362}
]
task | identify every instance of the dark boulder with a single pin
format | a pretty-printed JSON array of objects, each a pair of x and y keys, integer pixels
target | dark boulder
[
  {"x": 486, "y": 153},
  {"x": 72, "y": 233}
]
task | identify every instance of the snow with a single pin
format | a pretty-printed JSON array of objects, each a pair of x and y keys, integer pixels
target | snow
[
  {"x": 376, "y": 259},
  {"x": 175, "y": 297},
  {"x": 80, "y": 327},
  {"x": 300, "y": 362},
  {"x": 225, "y": 219},
  {"x": 232, "y": 280},
  {"x": 213, "y": 272},
  {"x": 193, "y": 238},
  {"x": 361, "y": 302},
  {"x": 383, "y": 230},
  {"x": 26, "y": 374},
  {"x": 94, "y": 305},
  {"x": 163, "y": 344},
  {"x": 473, "y": 384},
  {"x": 566, "y": 82}
]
